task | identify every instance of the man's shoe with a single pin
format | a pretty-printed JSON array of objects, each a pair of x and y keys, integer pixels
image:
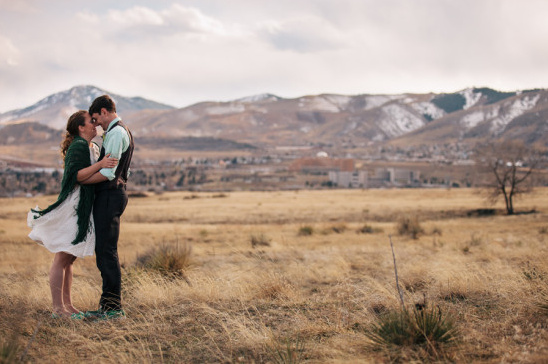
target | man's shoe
[
  {"x": 92, "y": 314},
  {"x": 111, "y": 315}
]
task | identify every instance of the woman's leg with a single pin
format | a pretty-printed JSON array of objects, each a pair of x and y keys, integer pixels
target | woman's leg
[
  {"x": 56, "y": 281},
  {"x": 67, "y": 284},
  {"x": 56, "y": 278}
]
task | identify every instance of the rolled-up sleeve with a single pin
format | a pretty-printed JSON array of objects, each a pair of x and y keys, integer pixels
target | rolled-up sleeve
[{"x": 115, "y": 145}]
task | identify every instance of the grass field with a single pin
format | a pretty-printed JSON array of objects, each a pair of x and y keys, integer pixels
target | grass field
[{"x": 287, "y": 277}]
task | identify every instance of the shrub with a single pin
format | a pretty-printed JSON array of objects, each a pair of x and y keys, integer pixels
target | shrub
[
  {"x": 427, "y": 328},
  {"x": 306, "y": 230},
  {"x": 410, "y": 226},
  {"x": 368, "y": 229},
  {"x": 171, "y": 259},
  {"x": 260, "y": 240},
  {"x": 338, "y": 229}
]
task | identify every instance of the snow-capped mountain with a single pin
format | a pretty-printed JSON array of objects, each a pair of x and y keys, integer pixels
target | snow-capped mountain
[
  {"x": 55, "y": 109},
  {"x": 341, "y": 121},
  {"x": 358, "y": 120}
]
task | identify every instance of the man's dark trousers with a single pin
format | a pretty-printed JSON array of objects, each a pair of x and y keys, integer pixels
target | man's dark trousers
[{"x": 108, "y": 207}]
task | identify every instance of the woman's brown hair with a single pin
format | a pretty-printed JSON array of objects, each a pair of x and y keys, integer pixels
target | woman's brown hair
[{"x": 77, "y": 119}]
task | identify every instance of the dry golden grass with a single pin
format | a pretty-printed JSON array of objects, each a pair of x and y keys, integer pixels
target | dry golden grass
[{"x": 318, "y": 292}]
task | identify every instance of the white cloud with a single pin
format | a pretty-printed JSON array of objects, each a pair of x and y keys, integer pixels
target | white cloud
[
  {"x": 9, "y": 54},
  {"x": 185, "y": 51},
  {"x": 136, "y": 16},
  {"x": 192, "y": 19},
  {"x": 304, "y": 34}
]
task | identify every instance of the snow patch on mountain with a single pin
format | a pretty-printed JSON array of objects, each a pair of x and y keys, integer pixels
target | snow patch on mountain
[
  {"x": 475, "y": 118},
  {"x": 471, "y": 98},
  {"x": 231, "y": 108},
  {"x": 339, "y": 100},
  {"x": 398, "y": 121},
  {"x": 428, "y": 108},
  {"x": 517, "y": 108},
  {"x": 258, "y": 98},
  {"x": 330, "y": 103},
  {"x": 374, "y": 101}
]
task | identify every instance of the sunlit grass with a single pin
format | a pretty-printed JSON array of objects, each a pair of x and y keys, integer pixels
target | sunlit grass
[{"x": 257, "y": 290}]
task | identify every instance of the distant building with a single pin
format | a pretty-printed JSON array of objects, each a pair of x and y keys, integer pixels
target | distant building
[
  {"x": 356, "y": 179},
  {"x": 377, "y": 178},
  {"x": 322, "y": 165}
]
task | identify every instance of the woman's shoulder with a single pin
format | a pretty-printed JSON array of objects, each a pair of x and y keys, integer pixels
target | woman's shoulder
[
  {"x": 77, "y": 145},
  {"x": 78, "y": 142}
]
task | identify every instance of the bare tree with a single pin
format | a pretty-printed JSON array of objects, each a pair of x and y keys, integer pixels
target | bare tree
[{"x": 510, "y": 166}]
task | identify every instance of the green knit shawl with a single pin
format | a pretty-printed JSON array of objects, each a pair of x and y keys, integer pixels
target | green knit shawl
[{"x": 77, "y": 157}]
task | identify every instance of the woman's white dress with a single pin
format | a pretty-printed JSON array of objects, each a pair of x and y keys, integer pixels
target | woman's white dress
[{"x": 57, "y": 229}]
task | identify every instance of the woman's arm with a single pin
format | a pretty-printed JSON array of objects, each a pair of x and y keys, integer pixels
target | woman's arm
[
  {"x": 95, "y": 178},
  {"x": 85, "y": 173}
]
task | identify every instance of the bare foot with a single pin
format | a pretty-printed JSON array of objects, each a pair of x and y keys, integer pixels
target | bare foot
[
  {"x": 71, "y": 309},
  {"x": 61, "y": 312}
]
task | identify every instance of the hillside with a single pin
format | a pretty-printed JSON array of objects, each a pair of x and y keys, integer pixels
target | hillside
[
  {"x": 55, "y": 109},
  {"x": 327, "y": 121}
]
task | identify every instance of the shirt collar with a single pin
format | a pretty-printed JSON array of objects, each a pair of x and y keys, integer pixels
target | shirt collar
[{"x": 112, "y": 123}]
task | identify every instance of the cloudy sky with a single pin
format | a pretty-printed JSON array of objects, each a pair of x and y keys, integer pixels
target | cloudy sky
[{"x": 182, "y": 52}]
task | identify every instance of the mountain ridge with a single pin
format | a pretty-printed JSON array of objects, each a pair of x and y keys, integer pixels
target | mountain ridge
[
  {"x": 54, "y": 110},
  {"x": 340, "y": 121}
]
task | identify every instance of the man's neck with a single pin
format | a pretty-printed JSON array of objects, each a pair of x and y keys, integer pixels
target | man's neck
[{"x": 111, "y": 119}]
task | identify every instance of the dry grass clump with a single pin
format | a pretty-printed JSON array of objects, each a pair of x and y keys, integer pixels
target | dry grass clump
[
  {"x": 306, "y": 230},
  {"x": 260, "y": 240},
  {"x": 168, "y": 259},
  {"x": 336, "y": 228},
  {"x": 368, "y": 229},
  {"x": 409, "y": 226}
]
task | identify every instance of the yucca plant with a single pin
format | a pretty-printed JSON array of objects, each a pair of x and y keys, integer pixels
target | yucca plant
[
  {"x": 287, "y": 351},
  {"x": 9, "y": 349},
  {"x": 426, "y": 326}
]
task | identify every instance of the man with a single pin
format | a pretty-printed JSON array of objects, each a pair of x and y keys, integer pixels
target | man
[{"x": 110, "y": 202}]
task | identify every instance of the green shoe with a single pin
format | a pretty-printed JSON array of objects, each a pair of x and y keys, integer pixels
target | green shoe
[
  {"x": 91, "y": 314},
  {"x": 78, "y": 316},
  {"x": 111, "y": 315}
]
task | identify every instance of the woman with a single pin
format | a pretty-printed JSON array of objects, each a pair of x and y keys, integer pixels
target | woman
[{"x": 66, "y": 227}]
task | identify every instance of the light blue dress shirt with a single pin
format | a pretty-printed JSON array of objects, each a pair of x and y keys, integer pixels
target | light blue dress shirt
[{"x": 115, "y": 142}]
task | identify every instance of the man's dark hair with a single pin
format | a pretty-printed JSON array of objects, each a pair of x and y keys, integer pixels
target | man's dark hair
[{"x": 102, "y": 102}]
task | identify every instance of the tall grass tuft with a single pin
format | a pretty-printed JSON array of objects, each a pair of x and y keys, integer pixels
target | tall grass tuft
[
  {"x": 542, "y": 303},
  {"x": 260, "y": 240},
  {"x": 427, "y": 328},
  {"x": 9, "y": 349},
  {"x": 306, "y": 230},
  {"x": 168, "y": 259},
  {"x": 409, "y": 226},
  {"x": 288, "y": 351}
]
